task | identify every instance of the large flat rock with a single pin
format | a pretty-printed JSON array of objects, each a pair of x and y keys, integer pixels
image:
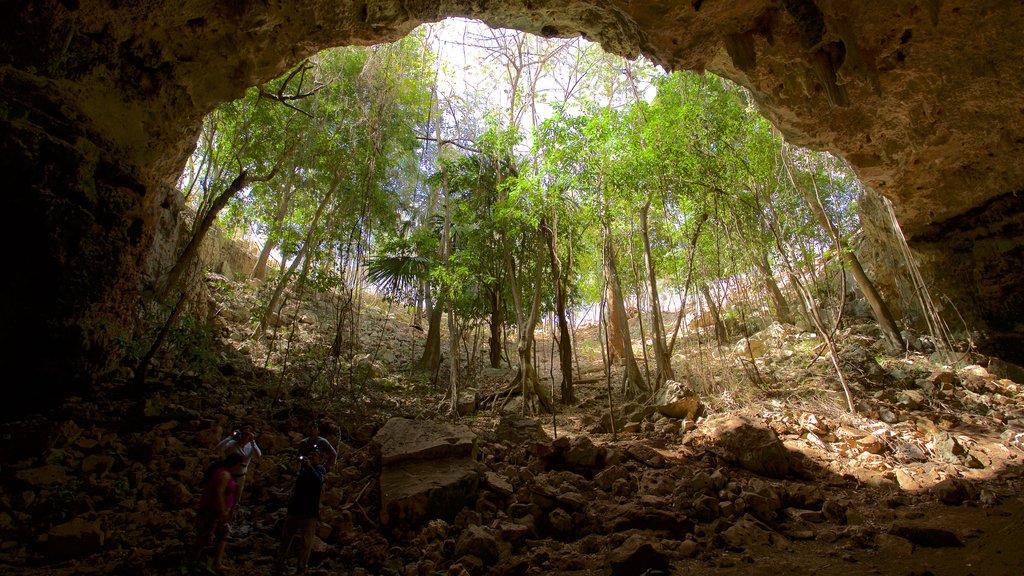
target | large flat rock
[
  {"x": 428, "y": 470},
  {"x": 402, "y": 439},
  {"x": 414, "y": 492}
]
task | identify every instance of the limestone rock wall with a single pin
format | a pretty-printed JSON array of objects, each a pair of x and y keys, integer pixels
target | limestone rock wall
[{"x": 100, "y": 103}]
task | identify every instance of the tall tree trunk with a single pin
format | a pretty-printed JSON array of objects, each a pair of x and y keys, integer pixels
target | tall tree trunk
[
  {"x": 782, "y": 312},
  {"x": 715, "y": 313},
  {"x": 568, "y": 395},
  {"x": 454, "y": 390},
  {"x": 535, "y": 398},
  {"x": 662, "y": 358},
  {"x": 314, "y": 225},
  {"x": 526, "y": 321},
  {"x": 275, "y": 298},
  {"x": 142, "y": 368},
  {"x": 344, "y": 309},
  {"x": 496, "y": 324},
  {"x": 189, "y": 254},
  {"x": 633, "y": 384},
  {"x": 417, "y": 316},
  {"x": 259, "y": 271},
  {"x": 686, "y": 285},
  {"x": 430, "y": 361},
  {"x": 615, "y": 330},
  {"x": 878, "y": 307}
]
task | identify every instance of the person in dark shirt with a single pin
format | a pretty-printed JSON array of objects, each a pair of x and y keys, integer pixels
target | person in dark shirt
[
  {"x": 303, "y": 511},
  {"x": 314, "y": 441}
]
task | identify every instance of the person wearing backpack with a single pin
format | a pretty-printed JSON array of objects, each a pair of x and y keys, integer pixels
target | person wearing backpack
[{"x": 303, "y": 511}]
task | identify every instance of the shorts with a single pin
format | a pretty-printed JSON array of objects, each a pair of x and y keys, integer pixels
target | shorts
[{"x": 210, "y": 529}]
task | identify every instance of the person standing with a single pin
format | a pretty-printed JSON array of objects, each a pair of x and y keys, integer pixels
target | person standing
[
  {"x": 313, "y": 441},
  {"x": 216, "y": 505},
  {"x": 303, "y": 511},
  {"x": 243, "y": 443}
]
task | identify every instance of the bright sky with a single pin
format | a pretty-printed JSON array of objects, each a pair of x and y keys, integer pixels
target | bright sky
[{"x": 467, "y": 52}]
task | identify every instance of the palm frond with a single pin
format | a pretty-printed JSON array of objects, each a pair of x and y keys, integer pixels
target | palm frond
[{"x": 398, "y": 274}]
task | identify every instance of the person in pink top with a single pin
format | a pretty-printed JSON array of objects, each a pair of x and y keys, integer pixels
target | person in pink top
[{"x": 216, "y": 504}]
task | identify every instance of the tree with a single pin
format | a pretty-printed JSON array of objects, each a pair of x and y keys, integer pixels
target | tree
[{"x": 867, "y": 287}]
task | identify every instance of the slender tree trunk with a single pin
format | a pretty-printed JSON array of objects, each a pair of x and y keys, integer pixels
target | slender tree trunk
[
  {"x": 344, "y": 309},
  {"x": 633, "y": 384},
  {"x": 275, "y": 298},
  {"x": 496, "y": 325},
  {"x": 615, "y": 325},
  {"x": 306, "y": 248},
  {"x": 417, "y": 316},
  {"x": 189, "y": 254},
  {"x": 782, "y": 312},
  {"x": 143, "y": 366},
  {"x": 715, "y": 313},
  {"x": 535, "y": 398},
  {"x": 259, "y": 271},
  {"x": 878, "y": 307},
  {"x": 430, "y": 361},
  {"x": 527, "y": 323},
  {"x": 686, "y": 285},
  {"x": 454, "y": 390},
  {"x": 662, "y": 356},
  {"x": 564, "y": 338},
  {"x": 639, "y": 315}
]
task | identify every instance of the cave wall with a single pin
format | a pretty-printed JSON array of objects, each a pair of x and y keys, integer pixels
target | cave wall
[{"x": 101, "y": 101}]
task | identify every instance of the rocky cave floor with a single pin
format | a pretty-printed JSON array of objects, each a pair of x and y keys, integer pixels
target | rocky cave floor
[{"x": 925, "y": 477}]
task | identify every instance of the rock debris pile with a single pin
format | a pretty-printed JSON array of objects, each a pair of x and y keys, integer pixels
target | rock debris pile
[{"x": 928, "y": 467}]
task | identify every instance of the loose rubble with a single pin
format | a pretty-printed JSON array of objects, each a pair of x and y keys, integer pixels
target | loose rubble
[{"x": 930, "y": 462}]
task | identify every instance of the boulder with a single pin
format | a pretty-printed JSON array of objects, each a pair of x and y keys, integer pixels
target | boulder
[
  {"x": 477, "y": 541},
  {"x": 637, "y": 555},
  {"x": 428, "y": 470},
  {"x": 744, "y": 440},
  {"x": 749, "y": 347},
  {"x": 366, "y": 367},
  {"x": 75, "y": 538},
  {"x": 582, "y": 453},
  {"x": 515, "y": 430},
  {"x": 467, "y": 402},
  {"x": 747, "y": 532},
  {"x": 926, "y": 536},
  {"x": 47, "y": 475},
  {"x": 404, "y": 439},
  {"x": 414, "y": 492},
  {"x": 678, "y": 400}
]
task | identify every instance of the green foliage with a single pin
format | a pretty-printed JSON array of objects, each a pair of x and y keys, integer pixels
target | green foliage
[
  {"x": 191, "y": 343},
  {"x": 364, "y": 186},
  {"x": 339, "y": 125},
  {"x": 131, "y": 347},
  {"x": 398, "y": 275}
]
